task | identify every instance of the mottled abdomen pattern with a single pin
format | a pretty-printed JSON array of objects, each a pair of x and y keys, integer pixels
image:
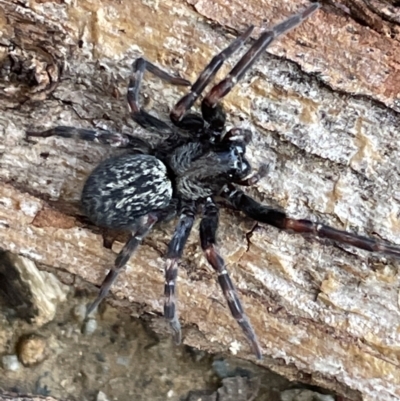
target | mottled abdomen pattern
[{"x": 123, "y": 188}]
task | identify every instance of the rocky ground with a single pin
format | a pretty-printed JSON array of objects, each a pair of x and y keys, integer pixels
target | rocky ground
[{"x": 114, "y": 357}]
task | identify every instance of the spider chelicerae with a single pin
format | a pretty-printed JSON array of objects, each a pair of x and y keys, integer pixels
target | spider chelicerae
[{"x": 196, "y": 162}]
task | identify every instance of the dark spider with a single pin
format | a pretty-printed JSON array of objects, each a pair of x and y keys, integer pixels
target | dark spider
[{"x": 150, "y": 184}]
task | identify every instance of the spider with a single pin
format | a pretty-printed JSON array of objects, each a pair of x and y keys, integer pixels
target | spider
[{"x": 197, "y": 161}]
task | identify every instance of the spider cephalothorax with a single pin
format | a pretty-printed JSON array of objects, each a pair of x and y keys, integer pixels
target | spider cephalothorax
[{"x": 196, "y": 162}]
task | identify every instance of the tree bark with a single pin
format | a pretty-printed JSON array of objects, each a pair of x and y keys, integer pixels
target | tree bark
[{"x": 323, "y": 104}]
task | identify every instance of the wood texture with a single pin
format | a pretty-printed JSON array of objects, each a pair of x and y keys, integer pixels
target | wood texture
[{"x": 323, "y": 104}]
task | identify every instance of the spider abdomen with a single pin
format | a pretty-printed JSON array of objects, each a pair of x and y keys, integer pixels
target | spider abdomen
[{"x": 123, "y": 188}]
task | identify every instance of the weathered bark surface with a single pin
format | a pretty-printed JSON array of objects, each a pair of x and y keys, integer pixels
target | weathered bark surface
[
  {"x": 15, "y": 397},
  {"x": 325, "y": 117}
]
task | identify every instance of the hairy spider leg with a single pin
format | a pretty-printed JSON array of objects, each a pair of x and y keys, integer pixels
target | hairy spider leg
[
  {"x": 142, "y": 117},
  {"x": 145, "y": 224},
  {"x": 254, "y": 178},
  {"x": 178, "y": 113},
  {"x": 211, "y": 109},
  {"x": 97, "y": 135},
  {"x": 208, "y": 229},
  {"x": 276, "y": 218},
  {"x": 174, "y": 253}
]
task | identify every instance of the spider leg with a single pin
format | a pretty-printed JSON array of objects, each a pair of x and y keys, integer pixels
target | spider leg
[
  {"x": 144, "y": 226},
  {"x": 253, "y": 179},
  {"x": 174, "y": 253},
  {"x": 211, "y": 110},
  {"x": 97, "y": 135},
  {"x": 276, "y": 218},
  {"x": 139, "y": 115},
  {"x": 186, "y": 102},
  {"x": 208, "y": 229}
]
